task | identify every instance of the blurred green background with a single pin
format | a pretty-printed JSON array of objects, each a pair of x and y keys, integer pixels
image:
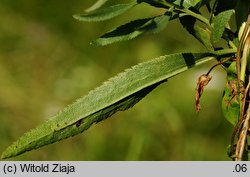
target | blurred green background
[{"x": 46, "y": 62}]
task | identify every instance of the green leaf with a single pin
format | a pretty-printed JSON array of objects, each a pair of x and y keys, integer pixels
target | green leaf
[
  {"x": 230, "y": 100},
  {"x": 96, "y": 6},
  {"x": 219, "y": 23},
  {"x": 133, "y": 29},
  {"x": 185, "y": 3},
  {"x": 155, "y": 3},
  {"x": 202, "y": 3},
  {"x": 117, "y": 94},
  {"x": 106, "y": 13},
  {"x": 166, "y": 3},
  {"x": 203, "y": 35}
]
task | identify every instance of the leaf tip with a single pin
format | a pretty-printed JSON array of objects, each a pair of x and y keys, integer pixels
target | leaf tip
[
  {"x": 76, "y": 16},
  {"x": 93, "y": 43},
  {"x": 98, "y": 42},
  {"x": 5, "y": 155},
  {"x": 83, "y": 17}
]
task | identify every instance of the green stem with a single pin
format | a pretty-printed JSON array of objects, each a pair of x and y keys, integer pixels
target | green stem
[
  {"x": 187, "y": 12},
  {"x": 232, "y": 45},
  {"x": 245, "y": 56},
  {"x": 225, "y": 51},
  {"x": 195, "y": 15},
  {"x": 244, "y": 61}
]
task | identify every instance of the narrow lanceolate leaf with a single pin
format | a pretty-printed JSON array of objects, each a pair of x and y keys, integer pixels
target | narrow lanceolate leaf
[
  {"x": 106, "y": 13},
  {"x": 185, "y": 3},
  {"x": 167, "y": 3},
  {"x": 96, "y": 6},
  {"x": 134, "y": 29},
  {"x": 118, "y": 94},
  {"x": 203, "y": 35},
  {"x": 219, "y": 23},
  {"x": 202, "y": 3},
  {"x": 156, "y": 3}
]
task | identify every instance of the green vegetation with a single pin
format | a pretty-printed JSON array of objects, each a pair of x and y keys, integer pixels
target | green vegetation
[{"x": 50, "y": 64}]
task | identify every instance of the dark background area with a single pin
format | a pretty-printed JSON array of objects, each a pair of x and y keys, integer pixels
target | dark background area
[{"x": 46, "y": 63}]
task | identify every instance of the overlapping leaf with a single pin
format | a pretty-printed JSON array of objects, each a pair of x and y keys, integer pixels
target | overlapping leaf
[
  {"x": 219, "y": 23},
  {"x": 117, "y": 94},
  {"x": 185, "y": 3},
  {"x": 134, "y": 29},
  {"x": 203, "y": 35},
  {"x": 96, "y": 6},
  {"x": 201, "y": 3},
  {"x": 179, "y": 3},
  {"x": 105, "y": 13}
]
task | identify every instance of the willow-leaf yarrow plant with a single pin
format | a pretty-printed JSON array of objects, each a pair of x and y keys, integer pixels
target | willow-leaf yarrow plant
[{"x": 209, "y": 21}]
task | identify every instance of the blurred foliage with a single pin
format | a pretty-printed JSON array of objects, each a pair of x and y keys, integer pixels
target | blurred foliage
[{"x": 46, "y": 62}]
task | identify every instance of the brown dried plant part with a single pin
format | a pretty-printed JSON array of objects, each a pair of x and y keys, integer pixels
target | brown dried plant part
[
  {"x": 233, "y": 87},
  {"x": 243, "y": 91},
  {"x": 244, "y": 125},
  {"x": 242, "y": 142},
  {"x": 248, "y": 131},
  {"x": 202, "y": 81}
]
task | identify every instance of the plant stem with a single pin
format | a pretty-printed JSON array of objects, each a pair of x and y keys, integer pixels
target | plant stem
[
  {"x": 232, "y": 45},
  {"x": 197, "y": 16},
  {"x": 187, "y": 12},
  {"x": 241, "y": 43},
  {"x": 244, "y": 58},
  {"x": 242, "y": 142},
  {"x": 225, "y": 51}
]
